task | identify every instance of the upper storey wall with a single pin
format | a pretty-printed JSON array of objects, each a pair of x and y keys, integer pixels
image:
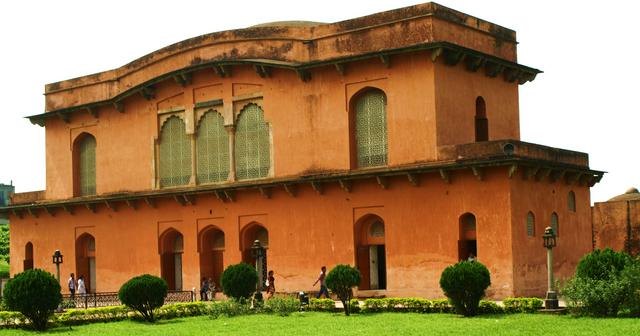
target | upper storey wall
[{"x": 293, "y": 47}]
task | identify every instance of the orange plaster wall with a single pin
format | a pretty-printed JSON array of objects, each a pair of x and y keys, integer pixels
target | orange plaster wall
[
  {"x": 305, "y": 232},
  {"x": 610, "y": 225},
  {"x": 456, "y": 93},
  {"x": 543, "y": 198},
  {"x": 308, "y": 121}
]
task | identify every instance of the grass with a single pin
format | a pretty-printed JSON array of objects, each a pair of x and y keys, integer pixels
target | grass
[{"x": 360, "y": 324}]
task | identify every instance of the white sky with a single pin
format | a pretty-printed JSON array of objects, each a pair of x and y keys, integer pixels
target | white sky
[{"x": 585, "y": 100}]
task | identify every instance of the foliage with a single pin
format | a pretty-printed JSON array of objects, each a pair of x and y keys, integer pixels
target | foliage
[
  {"x": 327, "y": 305},
  {"x": 144, "y": 294},
  {"x": 464, "y": 284},
  {"x": 602, "y": 264},
  {"x": 522, "y": 305},
  {"x": 489, "y": 307},
  {"x": 341, "y": 280},
  {"x": 281, "y": 306},
  {"x": 239, "y": 281},
  {"x": 34, "y": 293},
  {"x": 606, "y": 283},
  {"x": 4, "y": 243},
  {"x": 230, "y": 308}
]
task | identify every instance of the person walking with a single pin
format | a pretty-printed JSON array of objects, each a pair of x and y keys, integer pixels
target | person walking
[
  {"x": 204, "y": 289},
  {"x": 271, "y": 285},
  {"x": 323, "y": 286},
  {"x": 212, "y": 289},
  {"x": 72, "y": 286}
]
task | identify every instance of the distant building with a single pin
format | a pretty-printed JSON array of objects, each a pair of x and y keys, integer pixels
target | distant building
[
  {"x": 390, "y": 142},
  {"x": 616, "y": 223},
  {"x": 6, "y": 190}
]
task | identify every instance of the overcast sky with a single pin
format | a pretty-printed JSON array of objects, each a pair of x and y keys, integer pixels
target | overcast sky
[{"x": 586, "y": 99}]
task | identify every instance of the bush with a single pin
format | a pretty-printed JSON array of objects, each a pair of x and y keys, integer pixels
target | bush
[
  {"x": 239, "y": 281},
  {"x": 341, "y": 280},
  {"x": 4, "y": 274},
  {"x": 282, "y": 306},
  {"x": 143, "y": 294},
  {"x": 522, "y": 305},
  {"x": 327, "y": 305},
  {"x": 34, "y": 293},
  {"x": 230, "y": 308},
  {"x": 489, "y": 307},
  {"x": 606, "y": 283},
  {"x": 464, "y": 284}
]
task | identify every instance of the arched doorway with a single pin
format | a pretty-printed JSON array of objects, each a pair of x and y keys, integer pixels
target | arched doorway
[
  {"x": 371, "y": 258},
  {"x": 467, "y": 244},
  {"x": 211, "y": 253},
  {"x": 171, "y": 249},
  {"x": 28, "y": 257},
  {"x": 250, "y": 234},
  {"x": 86, "y": 261}
]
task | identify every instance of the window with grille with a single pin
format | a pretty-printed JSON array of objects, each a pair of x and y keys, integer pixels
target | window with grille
[
  {"x": 554, "y": 224},
  {"x": 571, "y": 200},
  {"x": 87, "y": 165},
  {"x": 175, "y": 153},
  {"x": 531, "y": 224},
  {"x": 252, "y": 147},
  {"x": 212, "y": 148},
  {"x": 371, "y": 129}
]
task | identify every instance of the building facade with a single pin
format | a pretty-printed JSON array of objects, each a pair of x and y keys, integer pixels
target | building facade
[
  {"x": 389, "y": 142},
  {"x": 6, "y": 191},
  {"x": 616, "y": 223}
]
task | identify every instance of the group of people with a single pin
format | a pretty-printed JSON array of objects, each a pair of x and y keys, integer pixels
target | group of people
[
  {"x": 207, "y": 289},
  {"x": 270, "y": 284},
  {"x": 79, "y": 286}
]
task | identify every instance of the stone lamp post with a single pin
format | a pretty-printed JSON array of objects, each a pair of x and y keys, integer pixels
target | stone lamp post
[
  {"x": 57, "y": 260},
  {"x": 257, "y": 251},
  {"x": 549, "y": 242}
]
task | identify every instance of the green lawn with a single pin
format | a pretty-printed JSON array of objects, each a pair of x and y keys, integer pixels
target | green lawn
[{"x": 360, "y": 324}]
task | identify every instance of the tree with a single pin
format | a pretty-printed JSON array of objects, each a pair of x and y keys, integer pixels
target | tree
[
  {"x": 239, "y": 281},
  {"x": 341, "y": 280},
  {"x": 144, "y": 293},
  {"x": 35, "y": 293},
  {"x": 464, "y": 284}
]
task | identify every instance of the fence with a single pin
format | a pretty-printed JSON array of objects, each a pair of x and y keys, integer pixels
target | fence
[{"x": 106, "y": 299}]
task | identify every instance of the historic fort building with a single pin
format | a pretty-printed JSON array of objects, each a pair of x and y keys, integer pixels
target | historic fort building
[{"x": 389, "y": 142}]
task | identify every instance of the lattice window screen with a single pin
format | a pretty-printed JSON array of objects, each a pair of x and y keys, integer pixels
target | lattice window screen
[
  {"x": 252, "y": 144},
  {"x": 175, "y": 154},
  {"x": 212, "y": 148},
  {"x": 531, "y": 225},
  {"x": 554, "y": 224},
  {"x": 87, "y": 166},
  {"x": 371, "y": 130}
]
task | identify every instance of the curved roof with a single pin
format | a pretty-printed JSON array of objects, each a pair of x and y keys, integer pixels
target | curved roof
[
  {"x": 289, "y": 24},
  {"x": 631, "y": 194}
]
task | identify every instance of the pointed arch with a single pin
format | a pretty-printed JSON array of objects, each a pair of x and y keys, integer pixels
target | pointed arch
[
  {"x": 175, "y": 153},
  {"x": 212, "y": 245},
  {"x": 467, "y": 241},
  {"x": 368, "y": 128},
  {"x": 212, "y": 146},
  {"x": 249, "y": 234},
  {"x": 84, "y": 165},
  {"x": 371, "y": 259},
  {"x": 171, "y": 243},
  {"x": 252, "y": 144},
  {"x": 481, "y": 120}
]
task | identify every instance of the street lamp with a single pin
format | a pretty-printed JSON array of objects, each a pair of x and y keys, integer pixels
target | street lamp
[
  {"x": 57, "y": 259},
  {"x": 549, "y": 242},
  {"x": 257, "y": 251}
]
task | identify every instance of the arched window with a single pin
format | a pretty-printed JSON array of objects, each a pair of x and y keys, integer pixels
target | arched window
[
  {"x": 571, "y": 201},
  {"x": 28, "y": 257},
  {"x": 531, "y": 224},
  {"x": 175, "y": 153},
  {"x": 370, "y": 129},
  {"x": 85, "y": 165},
  {"x": 467, "y": 242},
  {"x": 253, "y": 158},
  {"x": 554, "y": 224},
  {"x": 213, "y": 149},
  {"x": 482, "y": 123}
]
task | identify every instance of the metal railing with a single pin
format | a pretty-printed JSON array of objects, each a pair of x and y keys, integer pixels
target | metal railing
[{"x": 108, "y": 299}]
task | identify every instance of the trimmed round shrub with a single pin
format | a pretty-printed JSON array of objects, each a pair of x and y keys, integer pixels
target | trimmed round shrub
[
  {"x": 34, "y": 293},
  {"x": 239, "y": 281},
  {"x": 602, "y": 264},
  {"x": 464, "y": 284},
  {"x": 144, "y": 293},
  {"x": 606, "y": 283},
  {"x": 341, "y": 280}
]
